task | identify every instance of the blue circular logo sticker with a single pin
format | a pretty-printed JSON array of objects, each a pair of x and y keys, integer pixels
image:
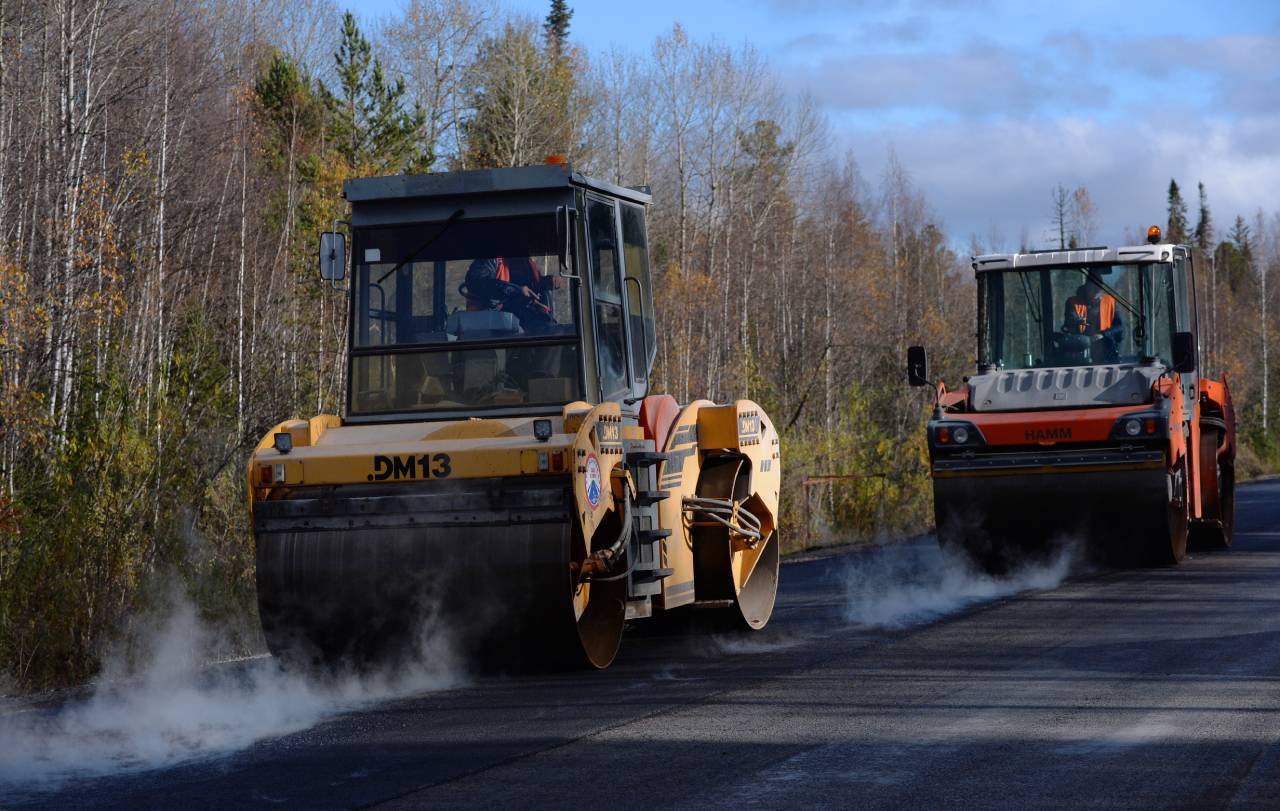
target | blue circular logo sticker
[{"x": 593, "y": 481}]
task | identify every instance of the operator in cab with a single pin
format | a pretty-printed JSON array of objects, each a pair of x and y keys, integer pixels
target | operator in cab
[
  {"x": 1092, "y": 313},
  {"x": 514, "y": 285}
]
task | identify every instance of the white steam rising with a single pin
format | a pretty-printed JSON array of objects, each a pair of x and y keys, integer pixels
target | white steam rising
[
  {"x": 909, "y": 585},
  {"x": 177, "y": 708},
  {"x": 758, "y": 642}
]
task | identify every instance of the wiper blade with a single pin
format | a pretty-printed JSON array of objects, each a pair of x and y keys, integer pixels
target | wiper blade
[
  {"x": 1031, "y": 299},
  {"x": 414, "y": 253},
  {"x": 1111, "y": 291}
]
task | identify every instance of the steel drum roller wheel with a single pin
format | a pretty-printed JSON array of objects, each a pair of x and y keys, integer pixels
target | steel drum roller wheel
[
  {"x": 1168, "y": 539},
  {"x": 726, "y": 569},
  {"x": 1227, "y": 500},
  {"x": 1220, "y": 535},
  {"x": 352, "y": 576},
  {"x": 598, "y": 610}
]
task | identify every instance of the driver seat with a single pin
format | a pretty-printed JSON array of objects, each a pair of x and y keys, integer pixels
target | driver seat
[{"x": 482, "y": 324}]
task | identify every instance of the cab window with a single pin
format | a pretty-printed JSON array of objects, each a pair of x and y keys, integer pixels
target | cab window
[
  {"x": 606, "y": 284},
  {"x": 639, "y": 289}
]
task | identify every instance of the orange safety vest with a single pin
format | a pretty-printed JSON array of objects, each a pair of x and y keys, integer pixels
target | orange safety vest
[
  {"x": 504, "y": 275},
  {"x": 1106, "y": 312}
]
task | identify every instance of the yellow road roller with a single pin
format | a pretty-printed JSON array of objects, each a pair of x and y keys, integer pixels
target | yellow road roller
[{"x": 501, "y": 469}]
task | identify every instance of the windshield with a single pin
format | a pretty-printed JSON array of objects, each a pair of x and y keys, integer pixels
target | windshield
[
  {"x": 461, "y": 314},
  {"x": 1077, "y": 315},
  {"x": 459, "y": 281}
]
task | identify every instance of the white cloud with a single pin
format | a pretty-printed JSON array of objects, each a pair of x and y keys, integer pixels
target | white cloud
[
  {"x": 1000, "y": 173},
  {"x": 988, "y": 129},
  {"x": 977, "y": 80}
]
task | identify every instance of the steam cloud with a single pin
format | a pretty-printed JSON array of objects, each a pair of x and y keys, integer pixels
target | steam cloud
[
  {"x": 177, "y": 708},
  {"x": 903, "y": 586}
]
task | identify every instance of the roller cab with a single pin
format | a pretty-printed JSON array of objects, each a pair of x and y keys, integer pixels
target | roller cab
[
  {"x": 501, "y": 473},
  {"x": 1087, "y": 419}
]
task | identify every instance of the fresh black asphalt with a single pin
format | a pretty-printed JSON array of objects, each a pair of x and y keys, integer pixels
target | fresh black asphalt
[{"x": 1156, "y": 688}]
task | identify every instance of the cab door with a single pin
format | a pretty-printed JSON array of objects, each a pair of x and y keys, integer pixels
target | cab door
[
  {"x": 608, "y": 300},
  {"x": 639, "y": 295}
]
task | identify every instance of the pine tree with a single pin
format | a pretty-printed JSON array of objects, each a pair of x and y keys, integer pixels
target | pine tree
[
  {"x": 1235, "y": 255},
  {"x": 374, "y": 130},
  {"x": 557, "y": 27},
  {"x": 1177, "y": 230},
  {"x": 522, "y": 101},
  {"x": 1239, "y": 236},
  {"x": 1204, "y": 223}
]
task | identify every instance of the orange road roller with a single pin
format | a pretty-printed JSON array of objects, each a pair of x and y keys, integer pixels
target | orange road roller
[{"x": 1088, "y": 417}]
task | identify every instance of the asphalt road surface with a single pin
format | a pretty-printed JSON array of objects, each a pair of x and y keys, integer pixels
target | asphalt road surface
[{"x": 1129, "y": 689}]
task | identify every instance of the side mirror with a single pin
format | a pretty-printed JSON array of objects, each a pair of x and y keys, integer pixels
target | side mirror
[
  {"x": 333, "y": 256},
  {"x": 917, "y": 366},
  {"x": 1184, "y": 352}
]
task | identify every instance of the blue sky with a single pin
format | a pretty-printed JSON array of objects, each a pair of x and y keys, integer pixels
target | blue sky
[{"x": 990, "y": 103}]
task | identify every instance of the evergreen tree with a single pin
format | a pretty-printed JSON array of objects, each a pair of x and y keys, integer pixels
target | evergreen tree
[
  {"x": 522, "y": 101},
  {"x": 1177, "y": 230},
  {"x": 1235, "y": 255},
  {"x": 557, "y": 27},
  {"x": 374, "y": 131},
  {"x": 288, "y": 109},
  {"x": 1240, "y": 237},
  {"x": 1204, "y": 223},
  {"x": 765, "y": 157}
]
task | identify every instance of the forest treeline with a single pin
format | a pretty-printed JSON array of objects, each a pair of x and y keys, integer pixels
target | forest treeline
[{"x": 165, "y": 168}]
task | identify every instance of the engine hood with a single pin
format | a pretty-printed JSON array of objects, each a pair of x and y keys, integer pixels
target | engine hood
[{"x": 1063, "y": 387}]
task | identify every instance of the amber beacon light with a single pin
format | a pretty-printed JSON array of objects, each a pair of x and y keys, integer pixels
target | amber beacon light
[{"x": 1153, "y": 234}]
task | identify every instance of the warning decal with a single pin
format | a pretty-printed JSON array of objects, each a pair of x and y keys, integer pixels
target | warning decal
[{"x": 593, "y": 481}]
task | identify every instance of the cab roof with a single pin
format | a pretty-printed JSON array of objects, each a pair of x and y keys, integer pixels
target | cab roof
[
  {"x": 544, "y": 177},
  {"x": 1161, "y": 252}
]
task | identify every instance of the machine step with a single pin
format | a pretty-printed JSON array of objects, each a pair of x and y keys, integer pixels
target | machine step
[
  {"x": 644, "y": 498},
  {"x": 645, "y": 458},
  {"x": 646, "y": 575},
  {"x": 651, "y": 535}
]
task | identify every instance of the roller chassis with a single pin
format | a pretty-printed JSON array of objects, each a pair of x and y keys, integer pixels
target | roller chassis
[
  {"x": 497, "y": 559},
  {"x": 1033, "y": 477},
  {"x": 501, "y": 473}
]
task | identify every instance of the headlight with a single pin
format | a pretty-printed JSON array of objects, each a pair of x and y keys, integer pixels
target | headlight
[
  {"x": 957, "y": 434},
  {"x": 542, "y": 430},
  {"x": 1141, "y": 425}
]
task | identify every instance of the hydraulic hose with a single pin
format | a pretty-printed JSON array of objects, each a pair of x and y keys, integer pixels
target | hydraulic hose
[
  {"x": 732, "y": 515},
  {"x": 602, "y": 560}
]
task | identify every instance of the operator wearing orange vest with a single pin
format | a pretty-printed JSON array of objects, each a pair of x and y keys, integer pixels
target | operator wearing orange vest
[
  {"x": 1093, "y": 313},
  {"x": 515, "y": 285}
]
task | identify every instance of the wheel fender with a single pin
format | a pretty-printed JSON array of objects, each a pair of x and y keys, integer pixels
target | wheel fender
[
  {"x": 1216, "y": 397},
  {"x": 1170, "y": 388},
  {"x": 597, "y": 459}
]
